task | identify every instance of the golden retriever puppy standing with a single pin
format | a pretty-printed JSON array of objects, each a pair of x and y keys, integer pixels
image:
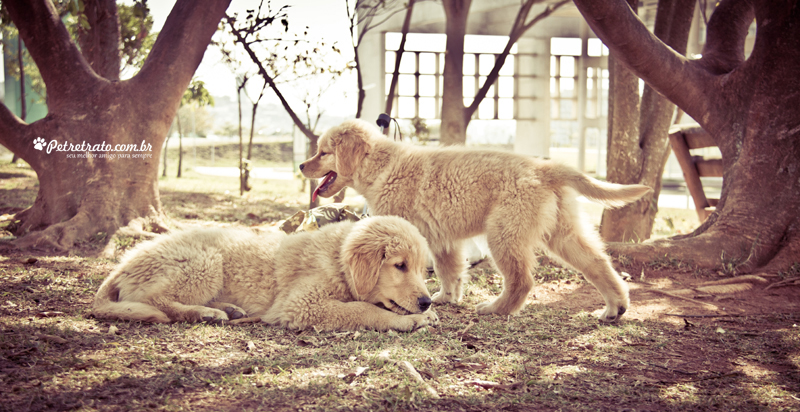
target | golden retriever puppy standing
[
  {"x": 453, "y": 193},
  {"x": 331, "y": 279}
]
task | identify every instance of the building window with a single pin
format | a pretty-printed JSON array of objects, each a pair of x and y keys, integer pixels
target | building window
[{"x": 420, "y": 81}]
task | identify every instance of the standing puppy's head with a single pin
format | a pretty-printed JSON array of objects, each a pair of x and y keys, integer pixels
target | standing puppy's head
[
  {"x": 340, "y": 151},
  {"x": 385, "y": 257}
]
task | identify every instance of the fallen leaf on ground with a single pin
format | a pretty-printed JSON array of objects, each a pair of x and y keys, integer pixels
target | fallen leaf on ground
[
  {"x": 470, "y": 366},
  {"x": 52, "y": 338},
  {"x": 50, "y": 314},
  {"x": 496, "y": 386}
]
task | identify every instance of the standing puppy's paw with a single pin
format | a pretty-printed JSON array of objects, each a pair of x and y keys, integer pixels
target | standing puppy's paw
[
  {"x": 443, "y": 297},
  {"x": 610, "y": 315}
]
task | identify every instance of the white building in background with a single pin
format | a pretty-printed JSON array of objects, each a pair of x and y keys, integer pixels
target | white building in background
[
  {"x": 551, "y": 92},
  {"x": 550, "y": 99}
]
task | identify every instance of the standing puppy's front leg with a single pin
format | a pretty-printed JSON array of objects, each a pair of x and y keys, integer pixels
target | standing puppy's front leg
[{"x": 449, "y": 264}]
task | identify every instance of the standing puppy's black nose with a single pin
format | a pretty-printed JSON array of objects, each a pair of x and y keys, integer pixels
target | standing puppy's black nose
[
  {"x": 302, "y": 166},
  {"x": 424, "y": 303}
]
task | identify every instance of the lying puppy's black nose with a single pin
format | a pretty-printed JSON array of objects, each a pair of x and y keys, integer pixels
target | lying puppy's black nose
[
  {"x": 424, "y": 303},
  {"x": 302, "y": 166}
]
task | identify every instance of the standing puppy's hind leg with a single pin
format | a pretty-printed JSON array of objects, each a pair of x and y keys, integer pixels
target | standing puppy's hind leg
[{"x": 583, "y": 250}]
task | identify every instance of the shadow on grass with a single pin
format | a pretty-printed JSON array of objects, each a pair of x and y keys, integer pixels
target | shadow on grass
[
  {"x": 544, "y": 359},
  {"x": 223, "y": 208}
]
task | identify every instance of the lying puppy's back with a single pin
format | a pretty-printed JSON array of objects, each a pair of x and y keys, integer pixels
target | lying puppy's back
[{"x": 192, "y": 267}]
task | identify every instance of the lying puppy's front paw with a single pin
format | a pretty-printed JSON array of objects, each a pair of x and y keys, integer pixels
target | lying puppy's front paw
[
  {"x": 213, "y": 316},
  {"x": 234, "y": 312},
  {"x": 422, "y": 320}
]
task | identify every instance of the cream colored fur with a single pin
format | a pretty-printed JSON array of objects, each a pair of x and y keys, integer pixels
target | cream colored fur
[
  {"x": 330, "y": 279},
  {"x": 450, "y": 194}
]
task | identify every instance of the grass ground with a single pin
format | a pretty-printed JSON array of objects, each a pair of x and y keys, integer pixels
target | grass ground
[{"x": 554, "y": 356}]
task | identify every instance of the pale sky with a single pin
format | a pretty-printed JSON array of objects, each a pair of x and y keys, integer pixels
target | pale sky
[{"x": 326, "y": 20}]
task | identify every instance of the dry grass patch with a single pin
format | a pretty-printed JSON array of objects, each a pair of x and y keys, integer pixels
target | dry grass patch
[
  {"x": 56, "y": 357},
  {"x": 554, "y": 356}
]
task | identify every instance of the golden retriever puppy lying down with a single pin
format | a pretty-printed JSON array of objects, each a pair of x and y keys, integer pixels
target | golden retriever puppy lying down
[
  {"x": 331, "y": 279},
  {"x": 454, "y": 193}
]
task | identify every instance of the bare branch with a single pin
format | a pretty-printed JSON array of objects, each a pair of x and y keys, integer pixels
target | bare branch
[
  {"x": 398, "y": 57},
  {"x": 240, "y": 37},
  {"x": 517, "y": 30}
]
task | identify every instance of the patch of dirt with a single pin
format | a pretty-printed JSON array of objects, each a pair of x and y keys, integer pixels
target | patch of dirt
[{"x": 651, "y": 290}]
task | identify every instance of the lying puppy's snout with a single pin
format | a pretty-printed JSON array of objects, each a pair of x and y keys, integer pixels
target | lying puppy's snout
[
  {"x": 302, "y": 166},
  {"x": 424, "y": 303}
]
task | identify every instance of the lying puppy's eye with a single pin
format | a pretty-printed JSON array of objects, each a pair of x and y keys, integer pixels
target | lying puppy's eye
[
  {"x": 401, "y": 266},
  {"x": 322, "y": 154}
]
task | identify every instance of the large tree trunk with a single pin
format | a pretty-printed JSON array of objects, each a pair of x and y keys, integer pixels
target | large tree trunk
[
  {"x": 454, "y": 124},
  {"x": 638, "y": 143},
  {"x": 86, "y": 194},
  {"x": 748, "y": 106},
  {"x": 180, "y": 146}
]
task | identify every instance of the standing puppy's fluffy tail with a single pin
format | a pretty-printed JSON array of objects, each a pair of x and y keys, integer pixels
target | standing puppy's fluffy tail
[
  {"x": 107, "y": 305},
  {"x": 607, "y": 194}
]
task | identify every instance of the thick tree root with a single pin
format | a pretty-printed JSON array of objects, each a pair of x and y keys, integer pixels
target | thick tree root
[
  {"x": 714, "y": 250},
  {"x": 83, "y": 230}
]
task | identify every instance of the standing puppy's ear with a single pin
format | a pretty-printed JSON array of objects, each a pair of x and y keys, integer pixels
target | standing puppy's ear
[{"x": 350, "y": 148}]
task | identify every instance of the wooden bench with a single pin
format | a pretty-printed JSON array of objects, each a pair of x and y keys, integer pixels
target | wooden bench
[{"x": 682, "y": 139}]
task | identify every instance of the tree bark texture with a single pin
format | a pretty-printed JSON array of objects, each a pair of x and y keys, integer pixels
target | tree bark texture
[
  {"x": 89, "y": 198},
  {"x": 749, "y": 106},
  {"x": 100, "y": 43},
  {"x": 638, "y": 143},
  {"x": 454, "y": 124}
]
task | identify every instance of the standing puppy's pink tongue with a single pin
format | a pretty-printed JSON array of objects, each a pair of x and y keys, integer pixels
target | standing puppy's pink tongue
[{"x": 327, "y": 180}]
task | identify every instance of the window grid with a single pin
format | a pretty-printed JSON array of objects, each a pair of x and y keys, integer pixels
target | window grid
[{"x": 498, "y": 104}]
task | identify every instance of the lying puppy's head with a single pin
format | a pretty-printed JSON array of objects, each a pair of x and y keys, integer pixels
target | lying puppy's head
[
  {"x": 386, "y": 258},
  {"x": 339, "y": 152}
]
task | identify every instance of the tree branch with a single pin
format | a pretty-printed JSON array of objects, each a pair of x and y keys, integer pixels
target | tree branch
[
  {"x": 682, "y": 81},
  {"x": 177, "y": 52},
  {"x": 62, "y": 66},
  {"x": 726, "y": 34},
  {"x": 397, "y": 59},
  {"x": 100, "y": 43},
  {"x": 517, "y": 30},
  {"x": 267, "y": 78},
  {"x": 12, "y": 129}
]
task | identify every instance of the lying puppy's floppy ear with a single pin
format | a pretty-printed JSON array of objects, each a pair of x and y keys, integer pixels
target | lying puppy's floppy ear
[
  {"x": 350, "y": 147},
  {"x": 364, "y": 260}
]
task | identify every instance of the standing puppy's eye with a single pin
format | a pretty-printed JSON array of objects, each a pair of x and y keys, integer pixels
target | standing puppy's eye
[
  {"x": 401, "y": 266},
  {"x": 322, "y": 154}
]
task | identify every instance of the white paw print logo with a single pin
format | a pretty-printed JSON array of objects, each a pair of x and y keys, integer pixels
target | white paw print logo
[{"x": 38, "y": 143}]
